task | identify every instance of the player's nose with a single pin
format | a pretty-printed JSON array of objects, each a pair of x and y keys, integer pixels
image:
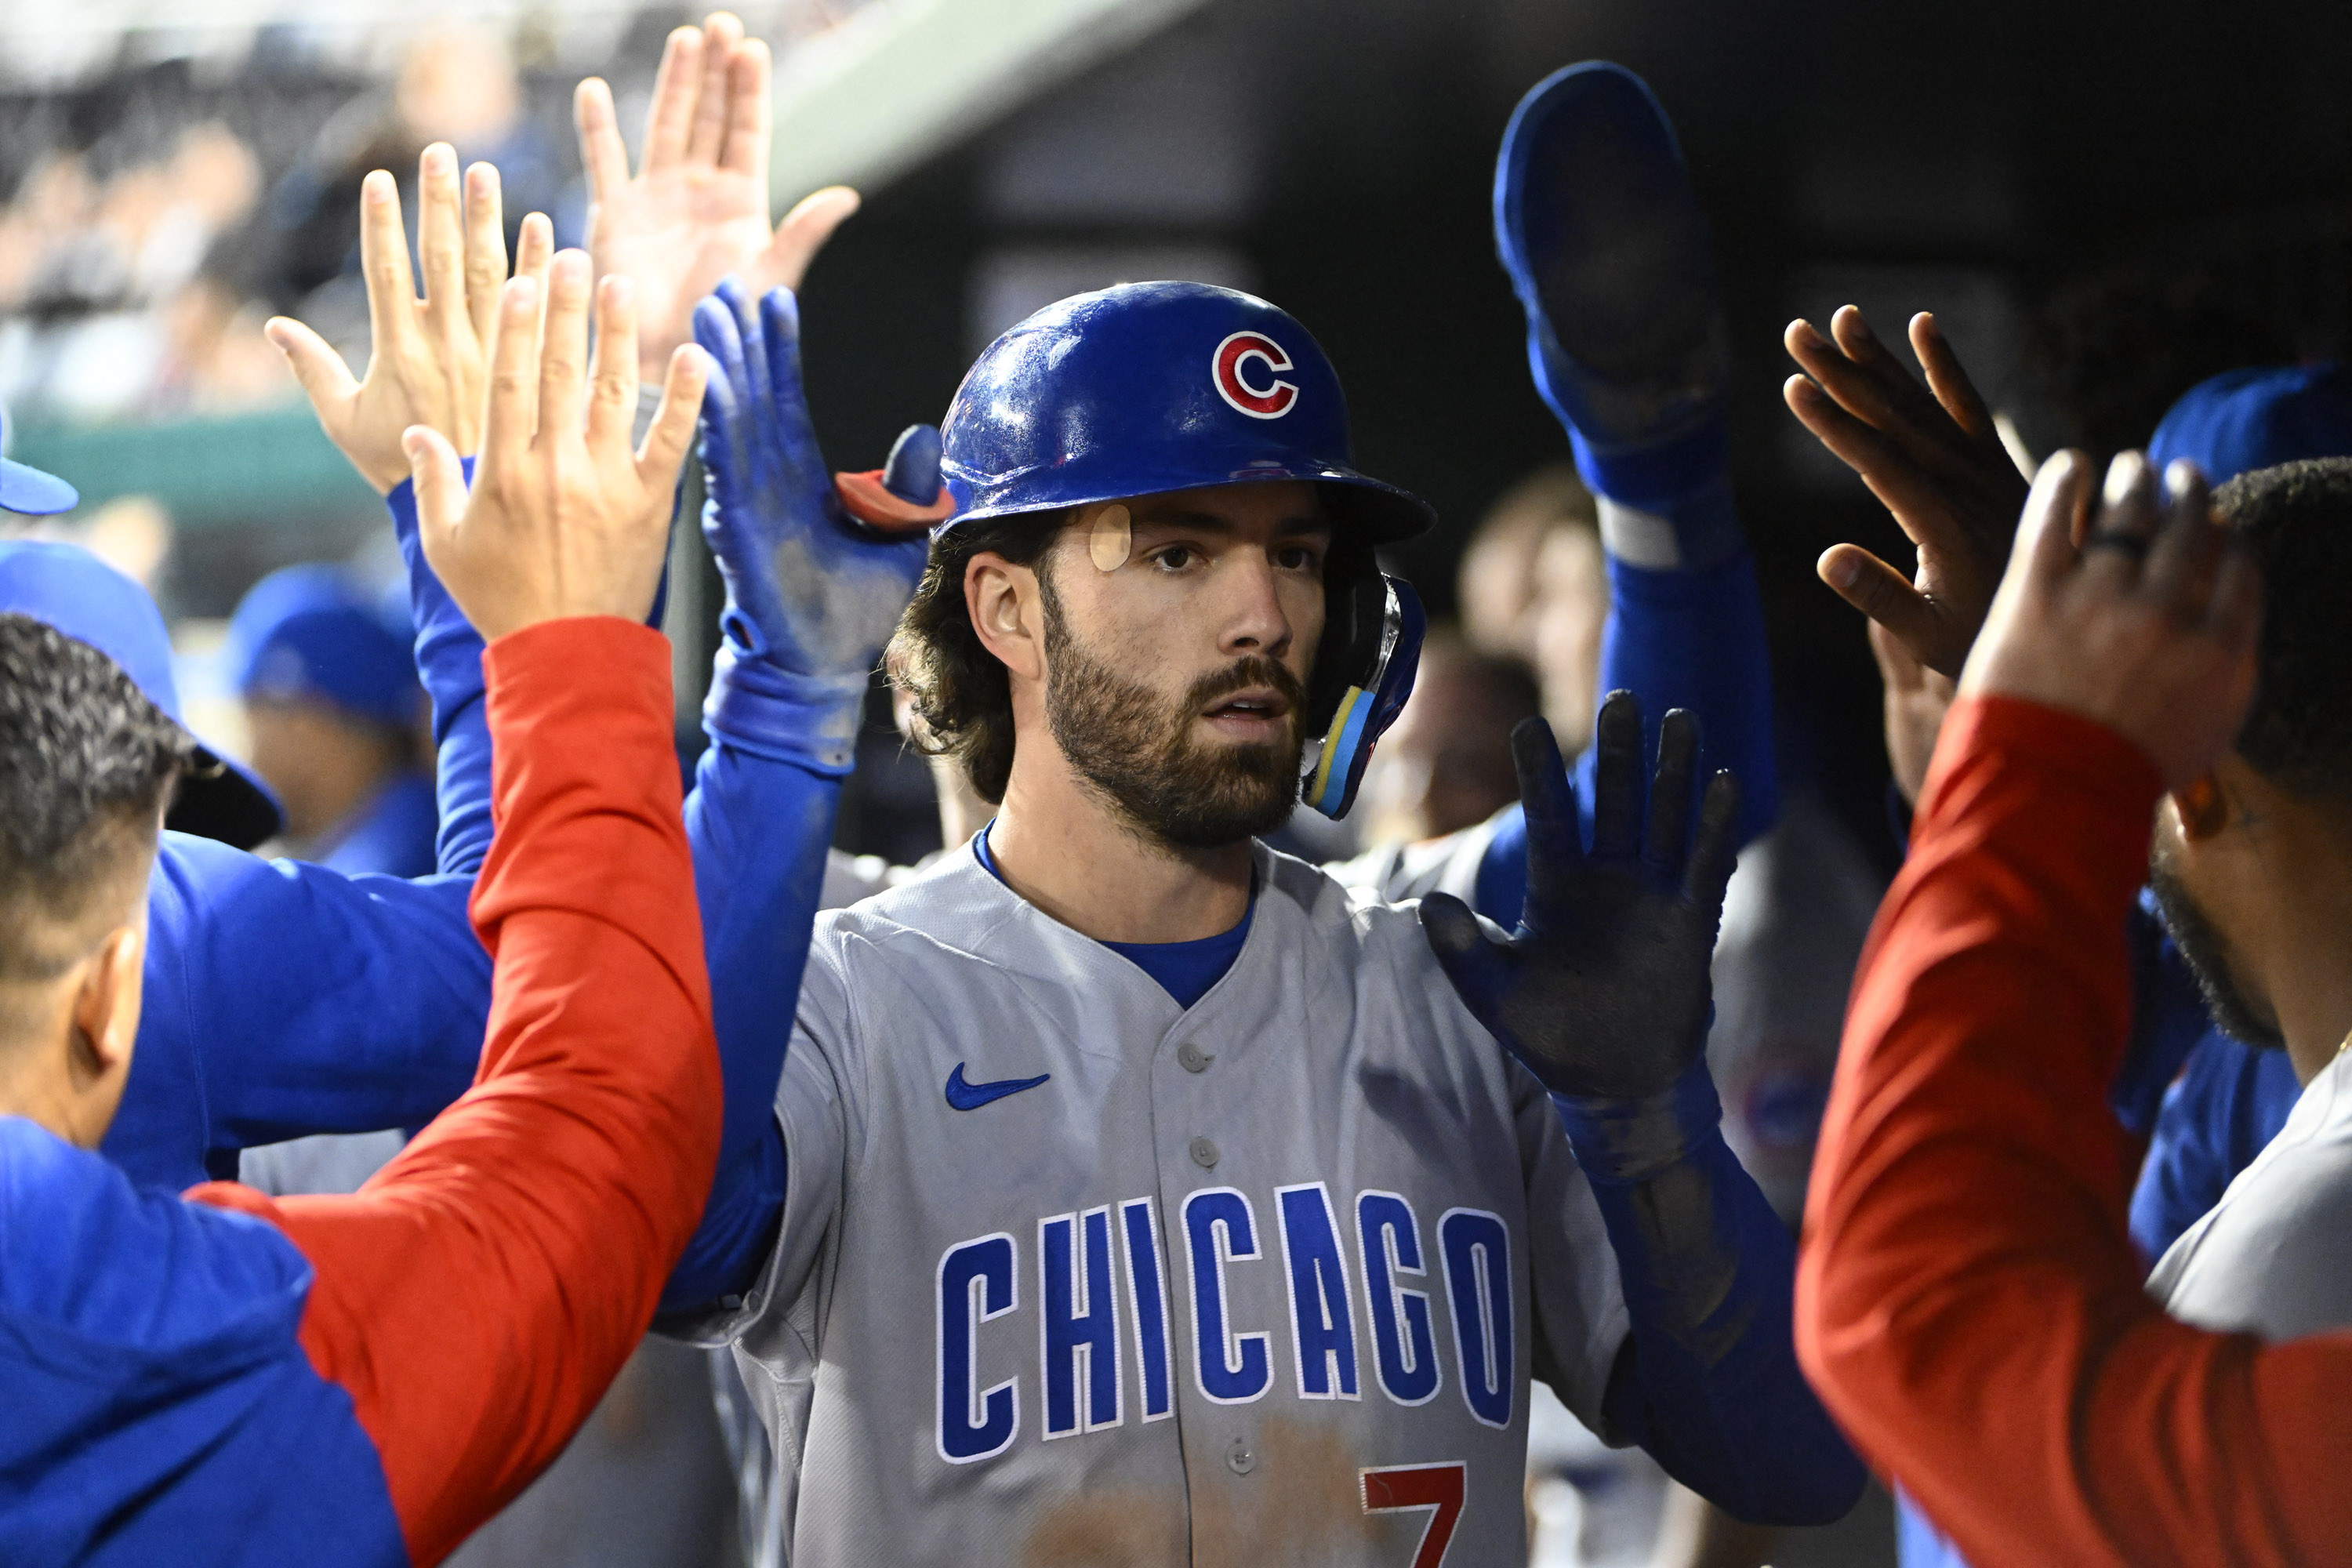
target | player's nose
[{"x": 1254, "y": 618}]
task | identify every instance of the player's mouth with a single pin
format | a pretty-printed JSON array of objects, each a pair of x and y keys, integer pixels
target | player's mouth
[{"x": 1254, "y": 713}]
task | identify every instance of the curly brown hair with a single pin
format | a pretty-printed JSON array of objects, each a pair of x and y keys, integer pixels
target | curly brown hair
[{"x": 961, "y": 691}]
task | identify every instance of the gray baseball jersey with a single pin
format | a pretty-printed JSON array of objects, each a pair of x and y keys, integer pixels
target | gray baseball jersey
[{"x": 1068, "y": 1275}]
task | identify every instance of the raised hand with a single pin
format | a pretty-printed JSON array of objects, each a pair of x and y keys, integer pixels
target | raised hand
[
  {"x": 1916, "y": 700},
  {"x": 1603, "y": 990},
  {"x": 2151, "y": 628},
  {"x": 563, "y": 518},
  {"x": 1934, "y": 460},
  {"x": 426, "y": 357},
  {"x": 810, "y": 589},
  {"x": 697, "y": 210}
]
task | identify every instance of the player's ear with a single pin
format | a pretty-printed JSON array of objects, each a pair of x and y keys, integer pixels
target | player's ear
[
  {"x": 105, "y": 1008},
  {"x": 2231, "y": 794},
  {"x": 104, "y": 1025},
  {"x": 1006, "y": 613},
  {"x": 2203, "y": 809}
]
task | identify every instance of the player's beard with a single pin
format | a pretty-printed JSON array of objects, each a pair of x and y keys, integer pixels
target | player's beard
[
  {"x": 1136, "y": 748},
  {"x": 2207, "y": 952}
]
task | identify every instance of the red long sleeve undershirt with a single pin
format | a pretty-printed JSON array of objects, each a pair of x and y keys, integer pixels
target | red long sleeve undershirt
[
  {"x": 476, "y": 1297},
  {"x": 1968, "y": 1302}
]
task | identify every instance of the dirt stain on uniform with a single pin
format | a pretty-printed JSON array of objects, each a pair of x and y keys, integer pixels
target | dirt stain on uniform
[
  {"x": 1121, "y": 1527},
  {"x": 1301, "y": 1506}
]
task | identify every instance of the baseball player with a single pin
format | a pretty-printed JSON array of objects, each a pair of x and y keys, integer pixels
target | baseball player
[
  {"x": 333, "y": 711},
  {"x": 362, "y": 1379},
  {"x": 1150, "y": 1197},
  {"x": 2206, "y": 1103},
  {"x": 284, "y": 1000}
]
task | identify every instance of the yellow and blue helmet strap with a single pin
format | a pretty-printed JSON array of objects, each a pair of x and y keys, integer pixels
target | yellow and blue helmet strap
[{"x": 1370, "y": 704}]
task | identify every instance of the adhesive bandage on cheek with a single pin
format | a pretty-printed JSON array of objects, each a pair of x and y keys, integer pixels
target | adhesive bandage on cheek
[{"x": 1111, "y": 538}]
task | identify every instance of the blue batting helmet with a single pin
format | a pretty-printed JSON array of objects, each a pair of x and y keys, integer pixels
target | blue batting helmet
[{"x": 1148, "y": 387}]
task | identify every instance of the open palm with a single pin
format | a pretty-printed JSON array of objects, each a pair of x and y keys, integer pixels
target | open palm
[
  {"x": 1603, "y": 991},
  {"x": 697, "y": 210},
  {"x": 428, "y": 358},
  {"x": 1933, "y": 456}
]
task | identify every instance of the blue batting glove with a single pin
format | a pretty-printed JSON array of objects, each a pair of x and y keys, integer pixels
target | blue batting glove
[
  {"x": 1602, "y": 992},
  {"x": 817, "y": 569}
]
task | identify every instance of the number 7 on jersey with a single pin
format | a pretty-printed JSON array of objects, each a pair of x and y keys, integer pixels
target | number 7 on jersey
[{"x": 1436, "y": 1487}]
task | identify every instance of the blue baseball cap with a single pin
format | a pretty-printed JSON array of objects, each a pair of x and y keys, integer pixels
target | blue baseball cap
[
  {"x": 309, "y": 634},
  {"x": 1147, "y": 387},
  {"x": 28, "y": 489},
  {"x": 81, "y": 597},
  {"x": 2246, "y": 420}
]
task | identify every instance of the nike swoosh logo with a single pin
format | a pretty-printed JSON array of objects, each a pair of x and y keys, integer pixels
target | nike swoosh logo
[{"x": 972, "y": 1095}]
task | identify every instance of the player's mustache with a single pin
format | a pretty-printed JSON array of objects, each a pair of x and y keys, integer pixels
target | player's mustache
[{"x": 1253, "y": 670}]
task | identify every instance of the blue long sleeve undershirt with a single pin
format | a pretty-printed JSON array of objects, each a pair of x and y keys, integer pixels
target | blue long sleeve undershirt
[
  {"x": 1674, "y": 638},
  {"x": 1708, "y": 1381}
]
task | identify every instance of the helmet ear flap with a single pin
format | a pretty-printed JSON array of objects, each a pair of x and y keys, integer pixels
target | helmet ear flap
[{"x": 1372, "y": 631}]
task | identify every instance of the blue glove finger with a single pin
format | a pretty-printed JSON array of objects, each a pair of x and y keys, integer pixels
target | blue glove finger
[
  {"x": 780, "y": 327},
  {"x": 1554, "y": 849},
  {"x": 912, "y": 472},
  {"x": 1617, "y": 786},
  {"x": 746, "y": 312},
  {"x": 740, "y": 309},
  {"x": 1668, "y": 836},
  {"x": 724, "y": 395},
  {"x": 714, "y": 330},
  {"x": 1718, "y": 849},
  {"x": 1478, "y": 968}
]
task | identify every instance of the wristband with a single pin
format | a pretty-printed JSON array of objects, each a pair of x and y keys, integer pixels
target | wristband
[
  {"x": 809, "y": 719},
  {"x": 1624, "y": 1141}
]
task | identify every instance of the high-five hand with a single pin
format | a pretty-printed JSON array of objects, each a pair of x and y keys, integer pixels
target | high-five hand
[
  {"x": 1603, "y": 991},
  {"x": 809, "y": 589},
  {"x": 697, "y": 210},
  {"x": 1936, "y": 461},
  {"x": 427, "y": 358},
  {"x": 2152, "y": 627},
  {"x": 563, "y": 519}
]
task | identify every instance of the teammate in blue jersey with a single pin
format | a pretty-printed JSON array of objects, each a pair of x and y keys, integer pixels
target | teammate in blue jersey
[
  {"x": 333, "y": 716},
  {"x": 362, "y": 1379},
  {"x": 285, "y": 1000}
]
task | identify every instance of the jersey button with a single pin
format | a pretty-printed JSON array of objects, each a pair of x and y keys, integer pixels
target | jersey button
[
  {"x": 1240, "y": 1458},
  {"x": 1192, "y": 1059},
  {"x": 1204, "y": 1153}
]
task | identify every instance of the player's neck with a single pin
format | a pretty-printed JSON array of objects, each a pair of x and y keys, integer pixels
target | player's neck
[
  {"x": 2301, "y": 952},
  {"x": 1057, "y": 845}
]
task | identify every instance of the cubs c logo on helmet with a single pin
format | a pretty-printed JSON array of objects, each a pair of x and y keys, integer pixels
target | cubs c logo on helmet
[{"x": 1226, "y": 369}]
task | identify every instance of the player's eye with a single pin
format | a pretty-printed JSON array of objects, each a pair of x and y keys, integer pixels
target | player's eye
[
  {"x": 1175, "y": 558},
  {"x": 1300, "y": 558}
]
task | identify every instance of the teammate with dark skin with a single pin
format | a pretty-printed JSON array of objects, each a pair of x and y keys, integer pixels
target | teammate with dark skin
[{"x": 2233, "y": 851}]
